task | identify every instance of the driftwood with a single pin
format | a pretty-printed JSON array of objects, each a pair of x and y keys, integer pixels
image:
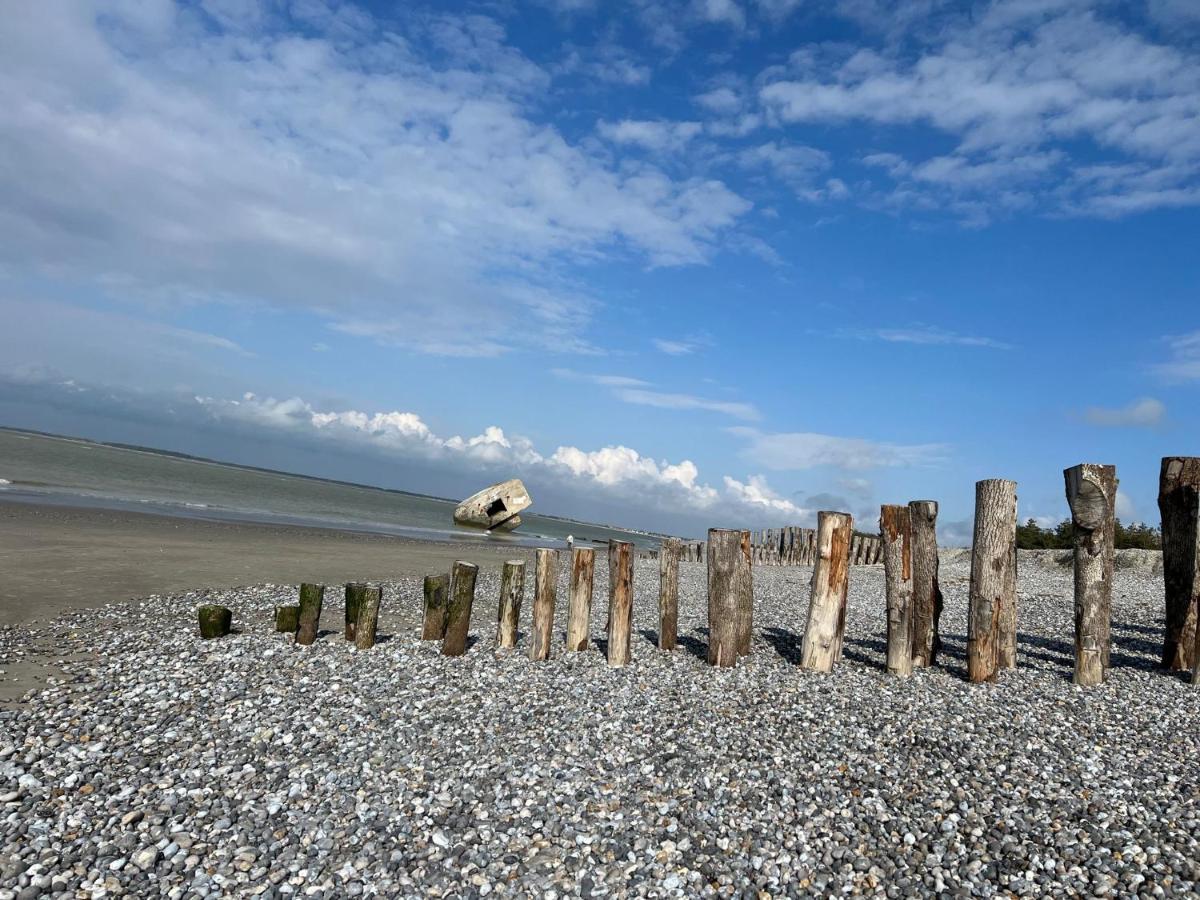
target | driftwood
[
  {"x": 1092, "y": 496},
  {"x": 512, "y": 592},
  {"x": 545, "y": 588},
  {"x": 368, "y": 616},
  {"x": 896, "y": 528},
  {"x": 927, "y": 592},
  {"x": 354, "y": 595},
  {"x": 437, "y": 595},
  {"x": 215, "y": 621},
  {"x": 668, "y": 594},
  {"x": 458, "y": 608},
  {"x": 1178, "y": 499},
  {"x": 729, "y": 583},
  {"x": 991, "y": 616},
  {"x": 579, "y": 604},
  {"x": 620, "y": 601},
  {"x": 287, "y": 618},
  {"x": 311, "y": 598},
  {"x": 822, "y": 643}
]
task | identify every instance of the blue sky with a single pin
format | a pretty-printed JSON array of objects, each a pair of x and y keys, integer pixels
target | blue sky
[{"x": 695, "y": 263}]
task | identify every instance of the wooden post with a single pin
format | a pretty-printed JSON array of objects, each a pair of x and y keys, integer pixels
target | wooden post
[
  {"x": 354, "y": 595},
  {"x": 437, "y": 591},
  {"x": 896, "y": 529},
  {"x": 668, "y": 594},
  {"x": 215, "y": 621},
  {"x": 579, "y": 608},
  {"x": 311, "y": 598},
  {"x": 1092, "y": 496},
  {"x": 620, "y": 601},
  {"x": 512, "y": 592},
  {"x": 927, "y": 591},
  {"x": 287, "y": 618},
  {"x": 1178, "y": 499},
  {"x": 545, "y": 589},
  {"x": 822, "y": 642},
  {"x": 991, "y": 616},
  {"x": 729, "y": 583},
  {"x": 368, "y": 616},
  {"x": 458, "y": 608}
]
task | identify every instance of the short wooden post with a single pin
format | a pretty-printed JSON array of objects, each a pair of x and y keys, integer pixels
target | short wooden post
[
  {"x": 896, "y": 529},
  {"x": 368, "y": 604},
  {"x": 821, "y": 646},
  {"x": 991, "y": 616},
  {"x": 215, "y": 621},
  {"x": 545, "y": 589},
  {"x": 458, "y": 608},
  {"x": 512, "y": 593},
  {"x": 729, "y": 578},
  {"x": 437, "y": 595},
  {"x": 620, "y": 601},
  {"x": 579, "y": 604},
  {"x": 354, "y": 595},
  {"x": 668, "y": 594},
  {"x": 287, "y": 618},
  {"x": 927, "y": 591},
  {"x": 1179, "y": 504},
  {"x": 311, "y": 598},
  {"x": 1092, "y": 496}
]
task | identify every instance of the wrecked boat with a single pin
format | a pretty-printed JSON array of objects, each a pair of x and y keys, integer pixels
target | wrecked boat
[{"x": 495, "y": 507}]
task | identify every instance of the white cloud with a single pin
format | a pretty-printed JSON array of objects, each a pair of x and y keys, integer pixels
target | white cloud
[
  {"x": 924, "y": 334},
  {"x": 681, "y": 346},
  {"x": 394, "y": 180},
  {"x": 615, "y": 381},
  {"x": 722, "y": 100},
  {"x": 1144, "y": 413},
  {"x": 725, "y": 12},
  {"x": 756, "y": 492},
  {"x": 657, "y": 135},
  {"x": 1183, "y": 363},
  {"x": 794, "y": 451},
  {"x": 663, "y": 400}
]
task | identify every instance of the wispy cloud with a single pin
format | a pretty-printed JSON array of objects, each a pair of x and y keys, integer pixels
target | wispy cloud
[
  {"x": 924, "y": 334},
  {"x": 614, "y": 381},
  {"x": 1183, "y": 362},
  {"x": 1144, "y": 413},
  {"x": 795, "y": 451},
  {"x": 682, "y": 346},
  {"x": 641, "y": 393}
]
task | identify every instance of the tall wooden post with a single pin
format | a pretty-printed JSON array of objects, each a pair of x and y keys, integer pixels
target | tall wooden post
[
  {"x": 896, "y": 529},
  {"x": 822, "y": 643},
  {"x": 544, "y": 596},
  {"x": 311, "y": 597},
  {"x": 368, "y": 616},
  {"x": 620, "y": 601},
  {"x": 927, "y": 591},
  {"x": 992, "y": 604},
  {"x": 512, "y": 593},
  {"x": 1092, "y": 496},
  {"x": 730, "y": 595},
  {"x": 458, "y": 609},
  {"x": 354, "y": 593},
  {"x": 579, "y": 609},
  {"x": 437, "y": 595},
  {"x": 668, "y": 594},
  {"x": 1178, "y": 499}
]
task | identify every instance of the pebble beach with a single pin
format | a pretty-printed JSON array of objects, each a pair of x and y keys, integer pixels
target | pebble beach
[{"x": 160, "y": 764}]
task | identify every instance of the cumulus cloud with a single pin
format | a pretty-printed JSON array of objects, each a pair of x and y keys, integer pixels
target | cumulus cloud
[
  {"x": 657, "y": 135},
  {"x": 794, "y": 451},
  {"x": 1144, "y": 413}
]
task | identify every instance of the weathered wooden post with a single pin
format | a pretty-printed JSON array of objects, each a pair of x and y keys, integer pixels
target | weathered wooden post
[
  {"x": 668, "y": 594},
  {"x": 896, "y": 530},
  {"x": 991, "y": 616},
  {"x": 287, "y": 618},
  {"x": 215, "y": 621},
  {"x": 821, "y": 646},
  {"x": 544, "y": 596},
  {"x": 354, "y": 594},
  {"x": 1092, "y": 496},
  {"x": 620, "y": 601},
  {"x": 927, "y": 591},
  {"x": 579, "y": 603},
  {"x": 437, "y": 591},
  {"x": 368, "y": 603},
  {"x": 1179, "y": 504},
  {"x": 458, "y": 608},
  {"x": 512, "y": 593},
  {"x": 311, "y": 597},
  {"x": 729, "y": 607}
]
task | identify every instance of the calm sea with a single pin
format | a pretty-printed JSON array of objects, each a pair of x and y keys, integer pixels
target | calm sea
[{"x": 66, "y": 471}]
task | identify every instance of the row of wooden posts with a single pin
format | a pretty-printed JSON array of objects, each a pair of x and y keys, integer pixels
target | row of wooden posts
[
  {"x": 795, "y": 546},
  {"x": 907, "y": 545}
]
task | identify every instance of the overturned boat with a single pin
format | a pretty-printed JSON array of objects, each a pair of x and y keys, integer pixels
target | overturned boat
[{"x": 495, "y": 507}]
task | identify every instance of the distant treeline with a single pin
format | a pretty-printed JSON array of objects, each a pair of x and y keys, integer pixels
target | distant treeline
[{"x": 1032, "y": 536}]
